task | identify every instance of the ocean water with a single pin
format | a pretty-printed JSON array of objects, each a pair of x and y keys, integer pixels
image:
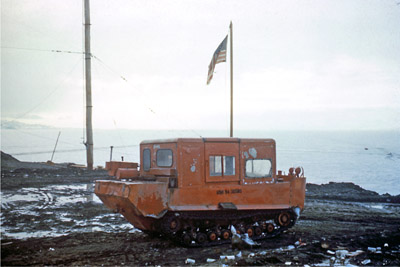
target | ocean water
[{"x": 370, "y": 159}]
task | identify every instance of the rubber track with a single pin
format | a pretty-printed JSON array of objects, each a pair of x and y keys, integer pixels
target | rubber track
[{"x": 230, "y": 216}]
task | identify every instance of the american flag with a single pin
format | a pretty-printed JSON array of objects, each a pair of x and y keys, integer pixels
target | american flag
[{"x": 218, "y": 57}]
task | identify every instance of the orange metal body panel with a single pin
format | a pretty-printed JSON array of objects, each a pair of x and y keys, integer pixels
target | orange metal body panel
[
  {"x": 273, "y": 196},
  {"x": 139, "y": 202},
  {"x": 196, "y": 185},
  {"x": 113, "y": 166},
  {"x": 150, "y": 198},
  {"x": 124, "y": 173}
]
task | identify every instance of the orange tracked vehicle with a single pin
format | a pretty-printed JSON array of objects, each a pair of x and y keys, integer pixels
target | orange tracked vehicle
[{"x": 195, "y": 189}]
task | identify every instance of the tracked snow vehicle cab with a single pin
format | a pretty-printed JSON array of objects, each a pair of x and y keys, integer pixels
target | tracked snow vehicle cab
[{"x": 194, "y": 189}]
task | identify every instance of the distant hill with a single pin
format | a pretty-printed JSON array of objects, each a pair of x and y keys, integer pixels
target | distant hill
[
  {"x": 6, "y": 124},
  {"x": 8, "y": 162}
]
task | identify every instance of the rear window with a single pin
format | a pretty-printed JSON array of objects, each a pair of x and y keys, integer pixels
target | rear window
[
  {"x": 164, "y": 158},
  {"x": 258, "y": 168}
]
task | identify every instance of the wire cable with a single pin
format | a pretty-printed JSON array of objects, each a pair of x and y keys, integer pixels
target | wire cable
[
  {"x": 50, "y": 94},
  {"x": 152, "y": 110},
  {"x": 68, "y": 150},
  {"x": 41, "y": 137},
  {"x": 43, "y": 50}
]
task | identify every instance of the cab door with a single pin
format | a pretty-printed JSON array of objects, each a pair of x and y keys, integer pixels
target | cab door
[{"x": 222, "y": 161}]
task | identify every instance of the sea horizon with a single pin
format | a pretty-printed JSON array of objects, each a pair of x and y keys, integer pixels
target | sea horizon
[{"x": 369, "y": 158}]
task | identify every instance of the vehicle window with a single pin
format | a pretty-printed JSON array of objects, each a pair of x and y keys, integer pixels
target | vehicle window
[
  {"x": 258, "y": 168},
  {"x": 215, "y": 165},
  {"x": 229, "y": 165},
  {"x": 164, "y": 158},
  {"x": 222, "y": 165},
  {"x": 146, "y": 159}
]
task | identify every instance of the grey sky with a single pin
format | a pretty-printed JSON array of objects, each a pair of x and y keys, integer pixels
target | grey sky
[{"x": 297, "y": 64}]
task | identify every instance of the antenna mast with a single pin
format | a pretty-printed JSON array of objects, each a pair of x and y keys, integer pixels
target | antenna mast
[
  {"x": 88, "y": 78},
  {"x": 231, "y": 65}
]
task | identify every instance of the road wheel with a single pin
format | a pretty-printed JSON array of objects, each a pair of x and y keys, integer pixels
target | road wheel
[
  {"x": 201, "y": 238},
  {"x": 270, "y": 228},
  {"x": 257, "y": 230},
  {"x": 250, "y": 231},
  {"x": 225, "y": 234},
  {"x": 186, "y": 239},
  {"x": 171, "y": 224},
  {"x": 212, "y": 236},
  {"x": 284, "y": 218}
]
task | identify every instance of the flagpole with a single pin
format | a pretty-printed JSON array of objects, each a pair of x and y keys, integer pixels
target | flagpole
[{"x": 231, "y": 60}]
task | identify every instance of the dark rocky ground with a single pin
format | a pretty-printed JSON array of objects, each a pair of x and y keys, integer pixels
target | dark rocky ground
[{"x": 49, "y": 216}]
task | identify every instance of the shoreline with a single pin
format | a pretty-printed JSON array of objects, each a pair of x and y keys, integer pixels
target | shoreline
[
  {"x": 346, "y": 191},
  {"x": 59, "y": 200}
]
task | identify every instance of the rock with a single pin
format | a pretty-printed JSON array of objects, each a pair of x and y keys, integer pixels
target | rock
[
  {"x": 341, "y": 254},
  {"x": 227, "y": 257},
  {"x": 237, "y": 242},
  {"x": 365, "y": 262},
  {"x": 324, "y": 245},
  {"x": 242, "y": 241},
  {"x": 355, "y": 253},
  {"x": 249, "y": 241},
  {"x": 190, "y": 261}
]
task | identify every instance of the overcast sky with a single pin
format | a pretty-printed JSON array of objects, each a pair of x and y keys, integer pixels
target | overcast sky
[{"x": 319, "y": 65}]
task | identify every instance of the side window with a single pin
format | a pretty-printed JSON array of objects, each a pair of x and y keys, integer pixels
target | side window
[
  {"x": 164, "y": 158},
  {"x": 229, "y": 165},
  {"x": 258, "y": 168},
  {"x": 215, "y": 165},
  {"x": 146, "y": 159},
  {"x": 222, "y": 165}
]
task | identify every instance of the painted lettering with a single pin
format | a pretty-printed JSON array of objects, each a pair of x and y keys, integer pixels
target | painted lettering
[
  {"x": 236, "y": 191},
  {"x": 227, "y": 191}
]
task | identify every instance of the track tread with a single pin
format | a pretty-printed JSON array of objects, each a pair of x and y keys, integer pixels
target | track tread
[{"x": 233, "y": 217}]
